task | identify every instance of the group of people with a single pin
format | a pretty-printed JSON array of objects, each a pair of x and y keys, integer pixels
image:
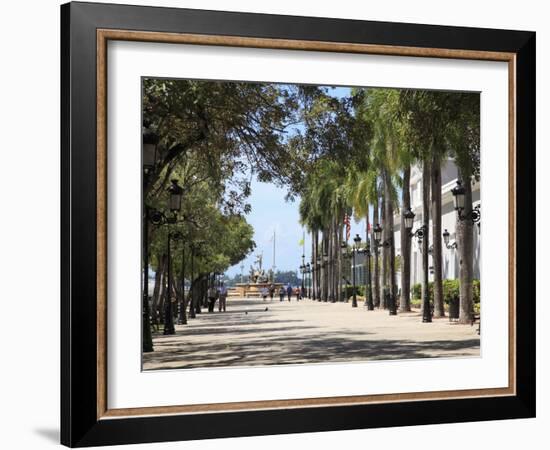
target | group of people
[
  {"x": 217, "y": 293},
  {"x": 288, "y": 291},
  {"x": 220, "y": 294}
]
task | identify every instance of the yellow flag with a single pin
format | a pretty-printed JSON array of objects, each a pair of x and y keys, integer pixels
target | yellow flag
[{"x": 301, "y": 242}]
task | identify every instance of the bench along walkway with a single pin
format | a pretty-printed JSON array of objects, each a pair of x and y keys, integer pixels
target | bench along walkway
[{"x": 254, "y": 332}]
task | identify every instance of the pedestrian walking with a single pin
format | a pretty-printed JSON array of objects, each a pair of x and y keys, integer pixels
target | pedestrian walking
[
  {"x": 289, "y": 291},
  {"x": 264, "y": 292},
  {"x": 212, "y": 297},
  {"x": 298, "y": 294},
  {"x": 281, "y": 294},
  {"x": 271, "y": 292},
  {"x": 223, "y": 298}
]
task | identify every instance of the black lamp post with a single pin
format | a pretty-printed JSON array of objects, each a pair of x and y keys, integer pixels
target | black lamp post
[
  {"x": 419, "y": 234},
  {"x": 409, "y": 222},
  {"x": 357, "y": 240},
  {"x": 459, "y": 199},
  {"x": 149, "y": 154}
]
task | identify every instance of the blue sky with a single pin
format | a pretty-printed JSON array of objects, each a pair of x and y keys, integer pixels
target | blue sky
[{"x": 271, "y": 213}]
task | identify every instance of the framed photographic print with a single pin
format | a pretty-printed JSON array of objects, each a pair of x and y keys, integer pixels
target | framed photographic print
[{"x": 282, "y": 224}]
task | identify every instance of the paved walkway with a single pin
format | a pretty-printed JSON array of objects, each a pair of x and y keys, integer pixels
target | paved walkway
[{"x": 305, "y": 332}]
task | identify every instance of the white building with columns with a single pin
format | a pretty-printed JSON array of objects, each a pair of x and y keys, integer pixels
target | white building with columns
[{"x": 449, "y": 175}]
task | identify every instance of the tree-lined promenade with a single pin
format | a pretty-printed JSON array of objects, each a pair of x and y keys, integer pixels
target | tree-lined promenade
[
  {"x": 338, "y": 156},
  {"x": 305, "y": 332}
]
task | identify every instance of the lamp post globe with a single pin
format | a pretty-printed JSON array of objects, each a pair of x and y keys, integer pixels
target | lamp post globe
[
  {"x": 176, "y": 194},
  {"x": 459, "y": 195},
  {"x": 409, "y": 218},
  {"x": 150, "y": 153},
  {"x": 377, "y": 231},
  {"x": 446, "y": 236}
]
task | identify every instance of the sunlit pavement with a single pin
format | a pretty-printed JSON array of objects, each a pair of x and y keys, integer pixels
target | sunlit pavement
[{"x": 253, "y": 332}]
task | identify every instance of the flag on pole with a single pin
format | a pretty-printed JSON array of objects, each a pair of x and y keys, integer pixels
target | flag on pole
[
  {"x": 301, "y": 242},
  {"x": 348, "y": 226}
]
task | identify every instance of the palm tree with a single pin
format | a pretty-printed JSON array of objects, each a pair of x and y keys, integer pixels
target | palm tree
[
  {"x": 382, "y": 112},
  {"x": 464, "y": 139}
]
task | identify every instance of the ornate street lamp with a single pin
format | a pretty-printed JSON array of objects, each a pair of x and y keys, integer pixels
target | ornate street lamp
[
  {"x": 150, "y": 153},
  {"x": 377, "y": 231},
  {"x": 446, "y": 236},
  {"x": 409, "y": 222},
  {"x": 459, "y": 195},
  {"x": 176, "y": 194},
  {"x": 459, "y": 198},
  {"x": 419, "y": 234},
  {"x": 158, "y": 218},
  {"x": 357, "y": 240}
]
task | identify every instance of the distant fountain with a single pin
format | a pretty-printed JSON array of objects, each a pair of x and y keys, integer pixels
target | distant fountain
[{"x": 258, "y": 279}]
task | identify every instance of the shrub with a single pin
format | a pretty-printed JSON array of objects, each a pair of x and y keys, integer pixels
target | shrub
[
  {"x": 348, "y": 291},
  {"x": 451, "y": 288},
  {"x": 416, "y": 291},
  {"x": 477, "y": 292}
]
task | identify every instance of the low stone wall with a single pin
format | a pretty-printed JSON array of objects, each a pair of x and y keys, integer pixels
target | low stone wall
[{"x": 251, "y": 290}]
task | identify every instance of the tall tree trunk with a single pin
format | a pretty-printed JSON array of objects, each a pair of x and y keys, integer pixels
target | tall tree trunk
[
  {"x": 340, "y": 273},
  {"x": 376, "y": 277},
  {"x": 384, "y": 253},
  {"x": 156, "y": 289},
  {"x": 311, "y": 289},
  {"x": 326, "y": 238},
  {"x": 318, "y": 268},
  {"x": 323, "y": 266},
  {"x": 405, "y": 303},
  {"x": 437, "y": 253},
  {"x": 426, "y": 309},
  {"x": 162, "y": 293},
  {"x": 331, "y": 266},
  {"x": 391, "y": 283},
  {"x": 368, "y": 273},
  {"x": 465, "y": 240}
]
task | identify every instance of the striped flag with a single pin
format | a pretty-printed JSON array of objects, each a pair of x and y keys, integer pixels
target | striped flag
[{"x": 348, "y": 226}]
